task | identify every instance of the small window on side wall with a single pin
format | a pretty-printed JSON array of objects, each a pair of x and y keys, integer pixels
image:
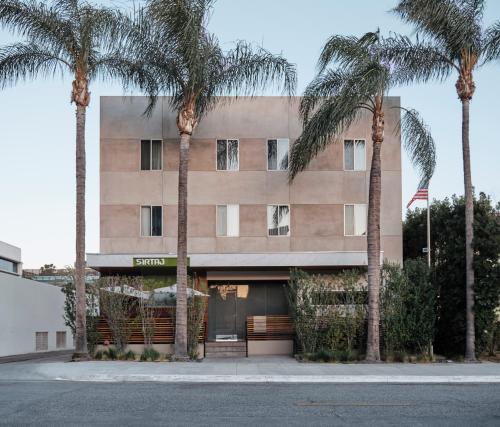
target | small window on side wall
[
  {"x": 277, "y": 154},
  {"x": 151, "y": 221},
  {"x": 278, "y": 220},
  {"x": 354, "y": 155},
  {"x": 228, "y": 220},
  {"x": 355, "y": 217},
  {"x": 227, "y": 155},
  {"x": 151, "y": 154}
]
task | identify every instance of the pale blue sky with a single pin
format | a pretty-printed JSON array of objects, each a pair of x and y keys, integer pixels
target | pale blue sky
[{"x": 37, "y": 125}]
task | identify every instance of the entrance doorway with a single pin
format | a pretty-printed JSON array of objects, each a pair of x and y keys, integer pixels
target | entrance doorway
[
  {"x": 224, "y": 317},
  {"x": 230, "y": 303}
]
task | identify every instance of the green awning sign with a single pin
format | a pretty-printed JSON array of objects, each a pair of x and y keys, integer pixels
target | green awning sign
[{"x": 156, "y": 262}]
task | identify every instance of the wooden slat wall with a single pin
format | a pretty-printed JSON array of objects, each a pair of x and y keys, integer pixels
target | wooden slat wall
[
  {"x": 277, "y": 328},
  {"x": 164, "y": 331}
]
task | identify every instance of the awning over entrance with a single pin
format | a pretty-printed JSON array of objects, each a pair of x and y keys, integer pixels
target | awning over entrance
[{"x": 233, "y": 260}]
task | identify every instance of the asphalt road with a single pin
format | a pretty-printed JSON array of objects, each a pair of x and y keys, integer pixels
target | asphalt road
[{"x": 145, "y": 404}]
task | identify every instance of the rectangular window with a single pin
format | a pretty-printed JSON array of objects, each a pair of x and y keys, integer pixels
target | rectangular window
[
  {"x": 355, "y": 220},
  {"x": 228, "y": 220},
  {"x": 277, "y": 154},
  {"x": 60, "y": 339},
  {"x": 7, "y": 265},
  {"x": 41, "y": 341},
  {"x": 278, "y": 220},
  {"x": 227, "y": 155},
  {"x": 354, "y": 155},
  {"x": 151, "y": 153},
  {"x": 151, "y": 221}
]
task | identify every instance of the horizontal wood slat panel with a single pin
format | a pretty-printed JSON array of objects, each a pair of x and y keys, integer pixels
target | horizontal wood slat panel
[
  {"x": 164, "y": 331},
  {"x": 273, "y": 327}
]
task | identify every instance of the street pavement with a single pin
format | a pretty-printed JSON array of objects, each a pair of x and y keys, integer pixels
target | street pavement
[{"x": 67, "y": 403}]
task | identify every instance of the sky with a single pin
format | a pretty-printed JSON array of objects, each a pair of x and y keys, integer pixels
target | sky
[{"x": 37, "y": 121}]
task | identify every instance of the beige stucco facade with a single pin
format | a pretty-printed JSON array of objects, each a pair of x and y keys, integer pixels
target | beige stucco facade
[{"x": 316, "y": 197}]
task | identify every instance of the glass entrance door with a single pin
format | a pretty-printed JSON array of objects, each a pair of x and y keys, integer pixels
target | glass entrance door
[{"x": 222, "y": 317}]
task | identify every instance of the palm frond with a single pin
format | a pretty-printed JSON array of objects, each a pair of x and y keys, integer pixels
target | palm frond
[
  {"x": 246, "y": 70},
  {"x": 23, "y": 61},
  {"x": 335, "y": 113},
  {"x": 419, "y": 144},
  {"x": 492, "y": 42},
  {"x": 453, "y": 24},
  {"x": 38, "y": 23},
  {"x": 415, "y": 61},
  {"x": 346, "y": 50},
  {"x": 324, "y": 85}
]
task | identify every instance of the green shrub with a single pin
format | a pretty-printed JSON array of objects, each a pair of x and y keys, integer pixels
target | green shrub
[
  {"x": 328, "y": 312},
  {"x": 150, "y": 354},
  {"x": 129, "y": 355},
  {"x": 111, "y": 353},
  {"x": 98, "y": 355}
]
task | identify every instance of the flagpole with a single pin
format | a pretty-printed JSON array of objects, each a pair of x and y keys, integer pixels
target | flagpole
[{"x": 428, "y": 231}]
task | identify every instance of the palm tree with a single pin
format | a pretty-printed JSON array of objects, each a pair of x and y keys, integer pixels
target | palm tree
[
  {"x": 188, "y": 64},
  {"x": 332, "y": 102},
  {"x": 452, "y": 39},
  {"x": 66, "y": 36}
]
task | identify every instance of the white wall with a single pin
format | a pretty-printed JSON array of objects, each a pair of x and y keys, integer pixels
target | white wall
[{"x": 27, "y": 307}]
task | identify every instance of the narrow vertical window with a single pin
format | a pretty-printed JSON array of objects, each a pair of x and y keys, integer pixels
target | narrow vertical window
[
  {"x": 277, "y": 154},
  {"x": 156, "y": 220},
  {"x": 354, "y": 155},
  {"x": 156, "y": 152},
  {"x": 227, "y": 154},
  {"x": 151, "y": 221},
  {"x": 60, "y": 339},
  {"x": 355, "y": 217},
  {"x": 41, "y": 341},
  {"x": 278, "y": 220},
  {"x": 359, "y": 155},
  {"x": 145, "y": 155},
  {"x": 151, "y": 154},
  {"x": 228, "y": 220}
]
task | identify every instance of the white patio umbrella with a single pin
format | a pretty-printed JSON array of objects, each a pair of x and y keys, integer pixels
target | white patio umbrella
[
  {"x": 129, "y": 291},
  {"x": 172, "y": 290}
]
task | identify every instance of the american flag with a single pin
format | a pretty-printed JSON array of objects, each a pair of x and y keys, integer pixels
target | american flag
[{"x": 421, "y": 194}]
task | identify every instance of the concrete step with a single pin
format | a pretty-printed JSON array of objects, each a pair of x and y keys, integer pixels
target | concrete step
[
  {"x": 226, "y": 349},
  {"x": 221, "y": 354},
  {"x": 242, "y": 344}
]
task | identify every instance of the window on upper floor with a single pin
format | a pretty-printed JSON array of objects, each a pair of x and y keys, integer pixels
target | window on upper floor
[
  {"x": 277, "y": 154},
  {"x": 151, "y": 154},
  {"x": 151, "y": 221},
  {"x": 354, "y": 155},
  {"x": 278, "y": 220},
  {"x": 227, "y": 155},
  {"x": 228, "y": 220},
  {"x": 355, "y": 217},
  {"x": 7, "y": 265}
]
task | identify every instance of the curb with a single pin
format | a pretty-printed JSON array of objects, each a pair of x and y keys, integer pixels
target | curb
[{"x": 329, "y": 379}]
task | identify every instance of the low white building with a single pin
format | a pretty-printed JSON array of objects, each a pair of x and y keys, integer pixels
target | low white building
[{"x": 31, "y": 313}]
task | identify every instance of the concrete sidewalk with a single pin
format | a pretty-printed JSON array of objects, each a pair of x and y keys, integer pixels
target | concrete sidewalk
[{"x": 252, "y": 370}]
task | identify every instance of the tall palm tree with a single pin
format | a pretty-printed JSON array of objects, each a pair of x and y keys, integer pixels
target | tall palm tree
[
  {"x": 188, "y": 64},
  {"x": 332, "y": 102},
  {"x": 451, "y": 38},
  {"x": 75, "y": 37}
]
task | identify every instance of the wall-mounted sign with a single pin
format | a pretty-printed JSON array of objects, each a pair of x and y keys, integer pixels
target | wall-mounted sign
[{"x": 155, "y": 262}]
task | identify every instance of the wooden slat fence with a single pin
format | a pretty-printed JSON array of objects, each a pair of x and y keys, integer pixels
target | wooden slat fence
[
  {"x": 273, "y": 327},
  {"x": 164, "y": 331}
]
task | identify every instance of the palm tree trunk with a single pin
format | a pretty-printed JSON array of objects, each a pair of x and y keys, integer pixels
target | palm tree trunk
[
  {"x": 373, "y": 236},
  {"x": 81, "y": 305},
  {"x": 470, "y": 350},
  {"x": 181, "y": 305}
]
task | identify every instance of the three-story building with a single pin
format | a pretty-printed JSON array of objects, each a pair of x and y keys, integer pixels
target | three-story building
[{"x": 247, "y": 225}]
